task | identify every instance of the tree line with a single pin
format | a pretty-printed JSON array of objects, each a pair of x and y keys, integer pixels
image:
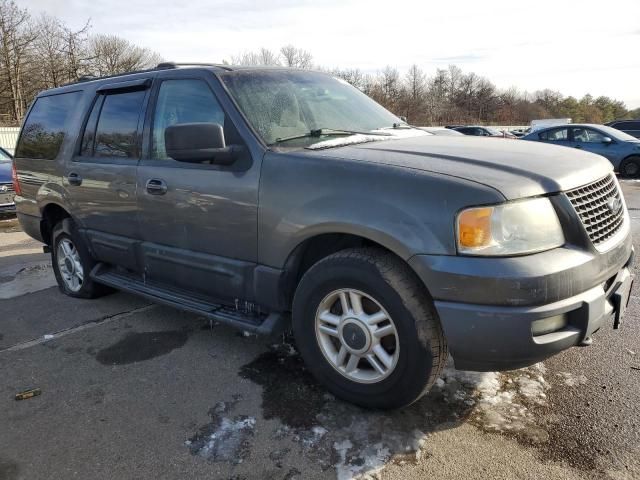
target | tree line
[
  {"x": 451, "y": 96},
  {"x": 37, "y": 53}
]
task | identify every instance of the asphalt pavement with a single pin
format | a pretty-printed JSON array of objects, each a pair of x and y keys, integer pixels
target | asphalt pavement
[{"x": 131, "y": 389}]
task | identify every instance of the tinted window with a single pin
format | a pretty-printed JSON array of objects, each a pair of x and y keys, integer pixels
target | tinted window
[
  {"x": 556, "y": 135},
  {"x": 90, "y": 129},
  {"x": 183, "y": 101},
  {"x": 44, "y": 130},
  {"x": 628, "y": 125},
  {"x": 116, "y": 133}
]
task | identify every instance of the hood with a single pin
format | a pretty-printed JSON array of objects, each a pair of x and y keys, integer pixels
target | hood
[
  {"x": 516, "y": 168},
  {"x": 5, "y": 172}
]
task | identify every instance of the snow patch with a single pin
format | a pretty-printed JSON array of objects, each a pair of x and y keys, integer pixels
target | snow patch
[
  {"x": 28, "y": 280},
  {"x": 501, "y": 400},
  {"x": 572, "y": 380}
]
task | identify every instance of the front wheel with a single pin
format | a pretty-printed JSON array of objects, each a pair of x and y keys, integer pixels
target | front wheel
[
  {"x": 630, "y": 167},
  {"x": 367, "y": 329}
]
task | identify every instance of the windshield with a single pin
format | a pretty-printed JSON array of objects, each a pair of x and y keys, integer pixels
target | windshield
[
  {"x": 286, "y": 103},
  {"x": 493, "y": 131},
  {"x": 4, "y": 156},
  {"x": 617, "y": 134}
]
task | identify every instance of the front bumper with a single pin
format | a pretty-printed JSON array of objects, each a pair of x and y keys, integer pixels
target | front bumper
[
  {"x": 487, "y": 305},
  {"x": 7, "y": 208}
]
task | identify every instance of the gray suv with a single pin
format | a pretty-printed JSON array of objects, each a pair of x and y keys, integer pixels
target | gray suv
[{"x": 275, "y": 198}]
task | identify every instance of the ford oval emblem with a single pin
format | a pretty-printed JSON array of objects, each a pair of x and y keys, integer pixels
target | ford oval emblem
[{"x": 614, "y": 204}]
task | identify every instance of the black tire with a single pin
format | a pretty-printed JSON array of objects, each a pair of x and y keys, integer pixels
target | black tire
[
  {"x": 380, "y": 274},
  {"x": 66, "y": 230},
  {"x": 630, "y": 167}
]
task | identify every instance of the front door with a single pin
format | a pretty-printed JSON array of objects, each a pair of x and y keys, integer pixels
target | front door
[
  {"x": 101, "y": 180},
  {"x": 591, "y": 140},
  {"x": 198, "y": 221}
]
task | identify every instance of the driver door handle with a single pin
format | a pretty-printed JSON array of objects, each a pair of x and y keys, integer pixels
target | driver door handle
[{"x": 156, "y": 186}]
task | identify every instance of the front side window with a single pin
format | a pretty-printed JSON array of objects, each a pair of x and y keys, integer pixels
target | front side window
[
  {"x": 183, "y": 101},
  {"x": 45, "y": 127},
  {"x": 557, "y": 135},
  {"x": 116, "y": 131},
  {"x": 283, "y": 103},
  {"x": 587, "y": 135}
]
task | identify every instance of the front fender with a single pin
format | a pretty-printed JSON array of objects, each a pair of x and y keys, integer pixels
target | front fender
[{"x": 405, "y": 210}]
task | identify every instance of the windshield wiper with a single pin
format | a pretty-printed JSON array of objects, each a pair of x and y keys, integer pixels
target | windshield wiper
[{"x": 328, "y": 131}]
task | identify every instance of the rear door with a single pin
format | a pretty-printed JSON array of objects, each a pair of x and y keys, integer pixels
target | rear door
[
  {"x": 198, "y": 221},
  {"x": 556, "y": 136},
  {"x": 101, "y": 179}
]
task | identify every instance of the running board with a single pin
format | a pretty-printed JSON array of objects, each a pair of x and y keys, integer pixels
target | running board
[{"x": 261, "y": 324}]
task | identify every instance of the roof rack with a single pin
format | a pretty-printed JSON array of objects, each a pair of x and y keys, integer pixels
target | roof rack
[
  {"x": 167, "y": 65},
  {"x": 160, "y": 66}
]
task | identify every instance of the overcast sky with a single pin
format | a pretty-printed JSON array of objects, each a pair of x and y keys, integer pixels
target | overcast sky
[{"x": 574, "y": 47}]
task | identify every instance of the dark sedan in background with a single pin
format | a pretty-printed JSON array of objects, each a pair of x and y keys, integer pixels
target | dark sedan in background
[
  {"x": 478, "y": 131},
  {"x": 621, "y": 149},
  {"x": 6, "y": 186},
  {"x": 632, "y": 127}
]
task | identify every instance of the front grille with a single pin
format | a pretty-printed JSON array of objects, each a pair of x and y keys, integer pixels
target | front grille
[
  {"x": 596, "y": 205},
  {"x": 9, "y": 188}
]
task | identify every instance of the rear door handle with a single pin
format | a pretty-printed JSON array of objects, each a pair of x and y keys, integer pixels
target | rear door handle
[
  {"x": 578, "y": 146},
  {"x": 74, "y": 179},
  {"x": 156, "y": 187}
]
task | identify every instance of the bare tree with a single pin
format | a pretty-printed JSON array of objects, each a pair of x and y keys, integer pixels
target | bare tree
[
  {"x": 111, "y": 54},
  {"x": 262, "y": 57},
  {"x": 16, "y": 38},
  {"x": 296, "y": 57}
]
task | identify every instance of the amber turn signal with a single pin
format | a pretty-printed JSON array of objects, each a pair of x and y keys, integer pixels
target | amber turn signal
[{"x": 474, "y": 227}]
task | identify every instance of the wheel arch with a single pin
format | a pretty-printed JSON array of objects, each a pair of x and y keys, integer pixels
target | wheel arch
[
  {"x": 52, "y": 213},
  {"x": 316, "y": 247}
]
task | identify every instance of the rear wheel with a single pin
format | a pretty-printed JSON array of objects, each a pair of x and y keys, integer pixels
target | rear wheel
[
  {"x": 630, "y": 167},
  {"x": 72, "y": 262},
  {"x": 367, "y": 330}
]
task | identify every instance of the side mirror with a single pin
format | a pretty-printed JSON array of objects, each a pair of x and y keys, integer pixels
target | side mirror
[
  {"x": 607, "y": 140},
  {"x": 198, "y": 142}
]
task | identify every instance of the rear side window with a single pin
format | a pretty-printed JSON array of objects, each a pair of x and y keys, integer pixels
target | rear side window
[
  {"x": 557, "y": 135},
  {"x": 112, "y": 127},
  {"x": 46, "y": 126},
  {"x": 628, "y": 125}
]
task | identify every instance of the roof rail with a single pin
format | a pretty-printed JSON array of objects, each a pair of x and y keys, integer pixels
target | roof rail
[{"x": 167, "y": 65}]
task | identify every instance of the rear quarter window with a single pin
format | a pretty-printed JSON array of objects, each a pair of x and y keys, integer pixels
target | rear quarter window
[{"x": 46, "y": 126}]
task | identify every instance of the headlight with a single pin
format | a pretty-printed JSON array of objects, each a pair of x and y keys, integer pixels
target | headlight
[{"x": 512, "y": 228}]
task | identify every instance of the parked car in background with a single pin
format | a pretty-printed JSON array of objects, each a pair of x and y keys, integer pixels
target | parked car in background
[
  {"x": 441, "y": 131},
  {"x": 7, "y": 204},
  {"x": 483, "y": 132},
  {"x": 620, "y": 148},
  {"x": 519, "y": 132},
  {"x": 631, "y": 127}
]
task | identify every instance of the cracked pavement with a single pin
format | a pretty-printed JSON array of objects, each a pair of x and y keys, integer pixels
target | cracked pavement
[{"x": 136, "y": 390}]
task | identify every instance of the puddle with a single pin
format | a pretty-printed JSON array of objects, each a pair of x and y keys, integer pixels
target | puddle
[
  {"x": 225, "y": 438},
  {"x": 138, "y": 347},
  {"x": 28, "y": 280},
  {"x": 339, "y": 435},
  {"x": 358, "y": 442},
  {"x": 9, "y": 470}
]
